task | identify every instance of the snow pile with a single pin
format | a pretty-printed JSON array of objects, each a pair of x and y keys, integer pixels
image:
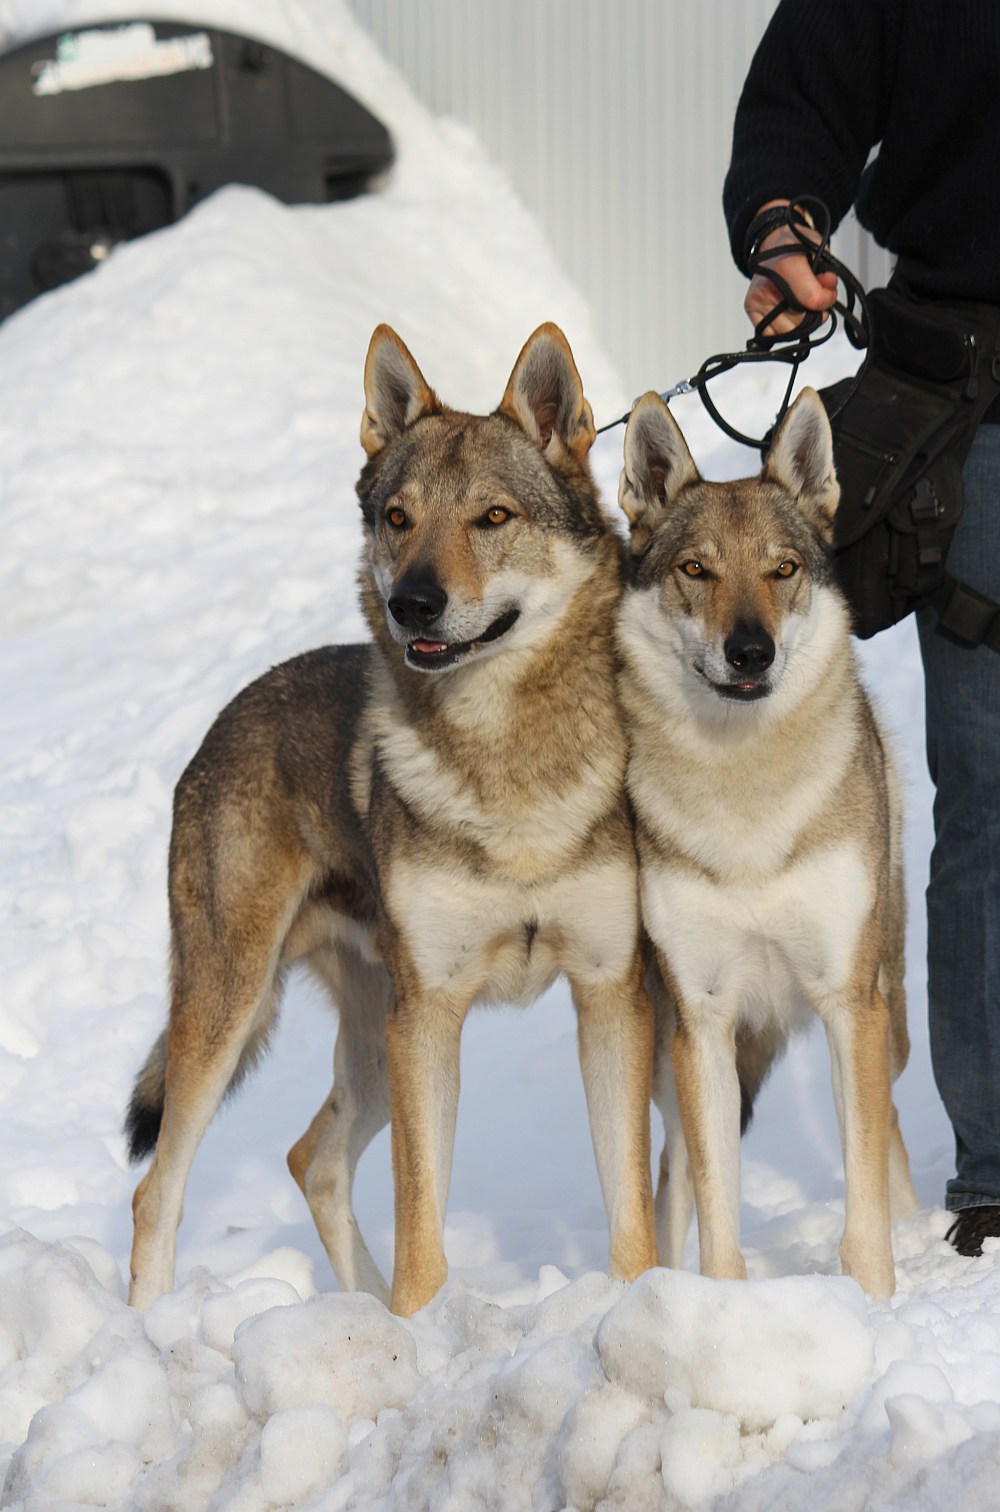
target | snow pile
[
  {"x": 249, "y": 1396},
  {"x": 674, "y": 1392},
  {"x": 178, "y": 449}
]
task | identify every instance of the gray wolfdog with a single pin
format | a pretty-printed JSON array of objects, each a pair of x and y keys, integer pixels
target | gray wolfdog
[
  {"x": 767, "y": 825},
  {"x": 432, "y": 820}
]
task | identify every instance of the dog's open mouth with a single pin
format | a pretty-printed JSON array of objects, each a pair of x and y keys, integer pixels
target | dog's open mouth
[
  {"x": 745, "y": 690},
  {"x": 742, "y": 692},
  {"x": 435, "y": 656}
]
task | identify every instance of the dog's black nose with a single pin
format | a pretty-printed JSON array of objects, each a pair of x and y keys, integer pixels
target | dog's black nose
[
  {"x": 417, "y": 602},
  {"x": 749, "y": 649}
]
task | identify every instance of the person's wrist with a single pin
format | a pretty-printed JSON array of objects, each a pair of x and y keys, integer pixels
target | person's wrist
[{"x": 771, "y": 226}]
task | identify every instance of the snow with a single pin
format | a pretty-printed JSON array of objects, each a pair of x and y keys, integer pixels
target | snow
[{"x": 178, "y": 449}]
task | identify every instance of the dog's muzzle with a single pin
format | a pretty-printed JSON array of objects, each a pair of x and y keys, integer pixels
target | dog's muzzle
[
  {"x": 429, "y": 655},
  {"x": 417, "y": 604},
  {"x": 749, "y": 651}
]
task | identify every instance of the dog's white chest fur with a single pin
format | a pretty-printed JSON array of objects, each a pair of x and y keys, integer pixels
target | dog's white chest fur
[
  {"x": 471, "y": 938},
  {"x": 757, "y": 950}
]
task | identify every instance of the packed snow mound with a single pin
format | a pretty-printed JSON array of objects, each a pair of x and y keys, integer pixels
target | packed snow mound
[
  {"x": 806, "y": 1343},
  {"x": 674, "y": 1392}
]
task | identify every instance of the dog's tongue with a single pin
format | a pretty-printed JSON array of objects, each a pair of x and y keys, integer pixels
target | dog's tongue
[{"x": 427, "y": 648}]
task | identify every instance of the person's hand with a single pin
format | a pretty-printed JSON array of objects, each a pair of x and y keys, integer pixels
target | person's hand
[{"x": 811, "y": 292}]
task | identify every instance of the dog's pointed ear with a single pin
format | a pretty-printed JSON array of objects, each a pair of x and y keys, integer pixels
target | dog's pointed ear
[
  {"x": 657, "y": 466},
  {"x": 801, "y": 460},
  {"x": 545, "y": 397},
  {"x": 396, "y": 392}
]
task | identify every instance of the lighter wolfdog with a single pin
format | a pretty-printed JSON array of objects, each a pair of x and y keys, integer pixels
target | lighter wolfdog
[{"x": 767, "y": 825}]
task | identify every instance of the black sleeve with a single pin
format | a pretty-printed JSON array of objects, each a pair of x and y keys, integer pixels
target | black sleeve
[{"x": 813, "y": 105}]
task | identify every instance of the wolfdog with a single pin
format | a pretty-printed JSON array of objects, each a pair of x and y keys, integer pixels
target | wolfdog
[
  {"x": 434, "y": 819},
  {"x": 768, "y": 826}
]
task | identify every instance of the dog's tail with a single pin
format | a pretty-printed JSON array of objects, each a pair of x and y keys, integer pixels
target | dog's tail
[
  {"x": 145, "y": 1109},
  {"x": 757, "y": 1053}
]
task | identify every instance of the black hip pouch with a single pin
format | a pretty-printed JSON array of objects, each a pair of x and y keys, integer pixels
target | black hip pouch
[{"x": 899, "y": 445}]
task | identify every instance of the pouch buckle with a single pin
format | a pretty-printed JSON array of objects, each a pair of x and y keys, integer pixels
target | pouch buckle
[{"x": 925, "y": 506}]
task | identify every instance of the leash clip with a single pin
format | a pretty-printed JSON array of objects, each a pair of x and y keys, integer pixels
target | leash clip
[{"x": 684, "y": 387}]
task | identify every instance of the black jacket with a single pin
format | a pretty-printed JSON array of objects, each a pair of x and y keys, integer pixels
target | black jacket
[{"x": 920, "y": 78}]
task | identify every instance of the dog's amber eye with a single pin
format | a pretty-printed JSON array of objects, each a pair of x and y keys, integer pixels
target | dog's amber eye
[
  {"x": 786, "y": 569},
  {"x": 692, "y": 569},
  {"x": 496, "y": 516},
  {"x": 396, "y": 517}
]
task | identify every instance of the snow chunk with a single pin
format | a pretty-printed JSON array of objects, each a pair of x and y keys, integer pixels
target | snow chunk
[
  {"x": 103, "y": 1265},
  {"x": 96, "y": 1476},
  {"x": 301, "y": 1450},
  {"x": 51, "y": 1303},
  {"x": 759, "y": 1350},
  {"x": 219, "y": 1431},
  {"x": 476, "y": 1322},
  {"x": 902, "y": 1378},
  {"x": 576, "y": 1305},
  {"x": 51, "y": 1309},
  {"x": 698, "y": 1449},
  {"x": 344, "y": 1351},
  {"x": 923, "y": 1430},
  {"x": 129, "y": 1399},
  {"x": 537, "y": 1388},
  {"x": 57, "y": 1433},
  {"x": 175, "y": 1315},
  {"x": 223, "y": 1312},
  {"x": 590, "y": 1439},
  {"x": 635, "y": 1484},
  {"x": 283, "y": 1264}
]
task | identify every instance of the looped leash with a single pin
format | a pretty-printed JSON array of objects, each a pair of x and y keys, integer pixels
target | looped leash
[{"x": 808, "y": 220}]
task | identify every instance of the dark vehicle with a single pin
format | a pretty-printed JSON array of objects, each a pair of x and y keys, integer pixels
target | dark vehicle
[{"x": 114, "y": 130}]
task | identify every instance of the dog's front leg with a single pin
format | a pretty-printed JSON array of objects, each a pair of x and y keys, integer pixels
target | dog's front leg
[
  {"x": 708, "y": 1092},
  {"x": 422, "y": 1038},
  {"x": 616, "y": 1058},
  {"x": 857, "y": 1028}
]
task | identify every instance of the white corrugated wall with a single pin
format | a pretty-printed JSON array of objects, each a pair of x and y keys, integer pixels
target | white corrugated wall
[{"x": 613, "y": 119}]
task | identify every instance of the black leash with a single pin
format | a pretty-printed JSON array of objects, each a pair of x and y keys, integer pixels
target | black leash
[{"x": 808, "y": 219}]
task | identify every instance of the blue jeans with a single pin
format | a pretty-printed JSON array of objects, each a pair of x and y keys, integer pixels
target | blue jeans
[{"x": 963, "y": 898}]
